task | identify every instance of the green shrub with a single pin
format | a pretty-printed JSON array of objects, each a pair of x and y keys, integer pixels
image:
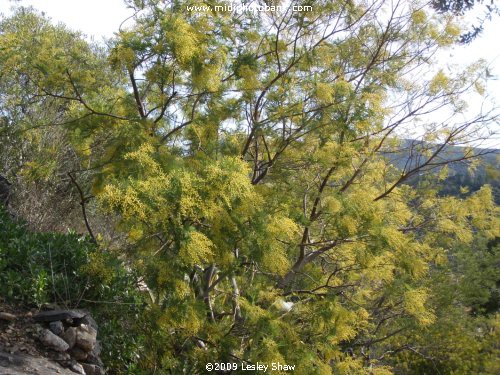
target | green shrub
[
  {"x": 36, "y": 268},
  {"x": 68, "y": 269}
]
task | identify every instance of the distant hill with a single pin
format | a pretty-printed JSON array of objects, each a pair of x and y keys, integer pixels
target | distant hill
[{"x": 461, "y": 174}]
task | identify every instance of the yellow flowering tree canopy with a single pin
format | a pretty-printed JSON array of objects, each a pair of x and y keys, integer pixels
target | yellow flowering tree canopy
[{"x": 257, "y": 167}]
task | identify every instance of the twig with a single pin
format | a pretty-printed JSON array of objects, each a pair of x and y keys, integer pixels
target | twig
[{"x": 83, "y": 200}]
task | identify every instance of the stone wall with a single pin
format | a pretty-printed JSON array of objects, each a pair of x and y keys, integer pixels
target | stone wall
[{"x": 63, "y": 338}]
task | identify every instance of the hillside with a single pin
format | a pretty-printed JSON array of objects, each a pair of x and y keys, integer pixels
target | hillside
[{"x": 470, "y": 174}]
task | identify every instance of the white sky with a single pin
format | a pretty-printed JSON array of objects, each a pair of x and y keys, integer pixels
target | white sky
[
  {"x": 95, "y": 18},
  {"x": 99, "y": 19}
]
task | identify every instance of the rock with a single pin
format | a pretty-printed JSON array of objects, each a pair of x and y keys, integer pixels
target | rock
[
  {"x": 63, "y": 340},
  {"x": 79, "y": 354},
  {"x": 37, "y": 329},
  {"x": 86, "y": 337},
  {"x": 50, "y": 306},
  {"x": 53, "y": 341},
  {"x": 23, "y": 364},
  {"x": 56, "y": 327},
  {"x": 88, "y": 321},
  {"x": 92, "y": 369},
  {"x": 7, "y": 316},
  {"x": 70, "y": 336},
  {"x": 93, "y": 357},
  {"x": 54, "y": 315},
  {"x": 78, "y": 368},
  {"x": 97, "y": 349},
  {"x": 60, "y": 357}
]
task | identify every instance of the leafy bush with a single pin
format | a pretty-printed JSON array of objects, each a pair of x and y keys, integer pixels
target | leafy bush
[
  {"x": 36, "y": 268},
  {"x": 68, "y": 269}
]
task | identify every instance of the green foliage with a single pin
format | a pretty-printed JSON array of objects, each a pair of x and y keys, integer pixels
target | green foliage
[
  {"x": 36, "y": 268},
  {"x": 463, "y": 338},
  {"x": 68, "y": 269},
  {"x": 479, "y": 280}
]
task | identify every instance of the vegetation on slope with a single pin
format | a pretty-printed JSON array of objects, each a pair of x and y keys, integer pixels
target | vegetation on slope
[{"x": 69, "y": 270}]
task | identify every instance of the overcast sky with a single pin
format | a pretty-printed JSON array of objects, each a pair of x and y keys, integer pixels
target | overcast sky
[
  {"x": 99, "y": 19},
  {"x": 95, "y": 18}
]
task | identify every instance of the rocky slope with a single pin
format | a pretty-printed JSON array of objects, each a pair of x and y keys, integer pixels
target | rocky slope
[{"x": 48, "y": 342}]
